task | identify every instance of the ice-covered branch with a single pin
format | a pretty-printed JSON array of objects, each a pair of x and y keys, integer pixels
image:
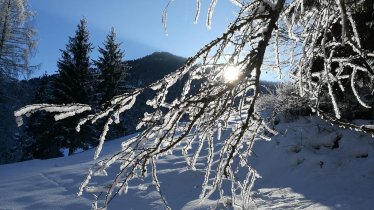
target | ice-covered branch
[
  {"x": 334, "y": 60},
  {"x": 63, "y": 111},
  {"x": 325, "y": 58},
  {"x": 193, "y": 118}
]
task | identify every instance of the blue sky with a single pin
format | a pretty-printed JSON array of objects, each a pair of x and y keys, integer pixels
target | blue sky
[{"x": 137, "y": 22}]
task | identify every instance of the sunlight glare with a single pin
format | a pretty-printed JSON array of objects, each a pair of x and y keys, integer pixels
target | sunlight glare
[{"x": 231, "y": 73}]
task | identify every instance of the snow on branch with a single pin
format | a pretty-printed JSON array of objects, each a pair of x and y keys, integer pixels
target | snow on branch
[
  {"x": 333, "y": 60},
  {"x": 195, "y": 120},
  {"x": 64, "y": 111}
]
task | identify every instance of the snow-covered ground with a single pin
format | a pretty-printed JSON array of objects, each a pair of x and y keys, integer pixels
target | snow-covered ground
[{"x": 309, "y": 165}]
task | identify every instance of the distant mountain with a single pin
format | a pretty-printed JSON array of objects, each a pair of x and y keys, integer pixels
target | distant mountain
[{"x": 151, "y": 68}]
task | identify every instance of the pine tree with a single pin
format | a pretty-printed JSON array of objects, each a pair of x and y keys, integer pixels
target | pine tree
[
  {"x": 39, "y": 140},
  {"x": 112, "y": 71},
  {"x": 74, "y": 81},
  {"x": 112, "y": 68},
  {"x": 74, "y": 85},
  {"x": 16, "y": 38}
]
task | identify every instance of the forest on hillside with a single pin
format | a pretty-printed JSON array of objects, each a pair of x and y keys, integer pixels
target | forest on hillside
[{"x": 15, "y": 141}]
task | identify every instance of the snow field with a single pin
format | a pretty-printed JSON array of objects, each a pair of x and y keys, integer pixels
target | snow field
[{"x": 309, "y": 165}]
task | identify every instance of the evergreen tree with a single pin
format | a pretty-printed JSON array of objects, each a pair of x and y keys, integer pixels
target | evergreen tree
[
  {"x": 75, "y": 78},
  {"x": 74, "y": 84},
  {"x": 39, "y": 140},
  {"x": 112, "y": 68},
  {"x": 16, "y": 38}
]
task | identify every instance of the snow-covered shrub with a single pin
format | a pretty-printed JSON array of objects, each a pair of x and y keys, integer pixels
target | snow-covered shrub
[{"x": 284, "y": 103}]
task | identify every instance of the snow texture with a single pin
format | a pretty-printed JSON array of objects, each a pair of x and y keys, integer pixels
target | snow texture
[{"x": 309, "y": 165}]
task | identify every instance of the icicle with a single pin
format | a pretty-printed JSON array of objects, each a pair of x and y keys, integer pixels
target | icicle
[
  {"x": 209, "y": 165},
  {"x": 354, "y": 27},
  {"x": 197, "y": 153},
  {"x": 272, "y": 131},
  {"x": 210, "y": 13},
  {"x": 123, "y": 189},
  {"x": 165, "y": 16},
  {"x": 157, "y": 183},
  {"x": 85, "y": 182},
  {"x": 102, "y": 138},
  {"x": 198, "y": 7},
  {"x": 219, "y": 131},
  {"x": 358, "y": 98},
  {"x": 334, "y": 103}
]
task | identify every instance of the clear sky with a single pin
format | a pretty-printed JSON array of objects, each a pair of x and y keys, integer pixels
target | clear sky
[{"x": 137, "y": 23}]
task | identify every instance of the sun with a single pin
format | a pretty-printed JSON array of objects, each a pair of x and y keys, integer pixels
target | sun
[{"x": 231, "y": 73}]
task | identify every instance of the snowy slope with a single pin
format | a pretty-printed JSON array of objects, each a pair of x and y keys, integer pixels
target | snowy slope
[
  {"x": 312, "y": 165},
  {"x": 309, "y": 165}
]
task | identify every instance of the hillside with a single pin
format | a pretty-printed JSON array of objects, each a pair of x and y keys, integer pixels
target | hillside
[{"x": 153, "y": 67}]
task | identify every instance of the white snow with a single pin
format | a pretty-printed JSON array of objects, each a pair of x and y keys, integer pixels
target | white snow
[
  {"x": 63, "y": 110},
  {"x": 308, "y": 165}
]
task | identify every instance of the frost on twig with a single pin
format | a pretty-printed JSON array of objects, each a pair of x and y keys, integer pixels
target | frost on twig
[
  {"x": 208, "y": 100},
  {"x": 333, "y": 62},
  {"x": 62, "y": 111}
]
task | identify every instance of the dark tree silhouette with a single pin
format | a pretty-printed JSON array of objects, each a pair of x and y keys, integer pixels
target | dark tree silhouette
[
  {"x": 112, "y": 69},
  {"x": 74, "y": 84}
]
